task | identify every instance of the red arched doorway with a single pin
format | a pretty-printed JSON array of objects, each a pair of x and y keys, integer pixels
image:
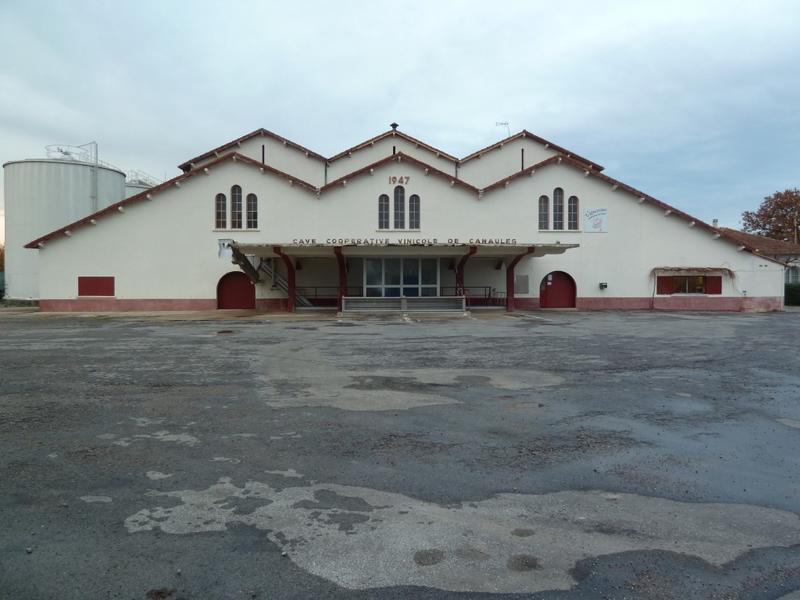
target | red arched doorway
[
  {"x": 557, "y": 290},
  {"x": 234, "y": 290}
]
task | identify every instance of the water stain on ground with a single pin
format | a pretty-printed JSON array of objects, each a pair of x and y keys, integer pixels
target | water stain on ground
[
  {"x": 160, "y": 594},
  {"x": 523, "y": 562},
  {"x": 333, "y": 531},
  {"x": 328, "y": 499},
  {"x": 554, "y": 448},
  {"x": 522, "y": 532},
  {"x": 398, "y": 384},
  {"x": 396, "y": 389},
  {"x": 427, "y": 558}
]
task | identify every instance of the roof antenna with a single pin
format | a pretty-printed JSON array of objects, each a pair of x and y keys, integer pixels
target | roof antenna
[
  {"x": 507, "y": 126},
  {"x": 394, "y": 126}
]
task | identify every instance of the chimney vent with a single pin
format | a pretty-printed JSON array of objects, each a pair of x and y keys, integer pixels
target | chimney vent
[{"x": 394, "y": 126}]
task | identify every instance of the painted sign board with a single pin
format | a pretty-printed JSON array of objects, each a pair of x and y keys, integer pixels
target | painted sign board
[{"x": 595, "y": 220}]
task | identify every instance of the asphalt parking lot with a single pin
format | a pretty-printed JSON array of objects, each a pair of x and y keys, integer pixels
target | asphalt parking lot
[{"x": 541, "y": 455}]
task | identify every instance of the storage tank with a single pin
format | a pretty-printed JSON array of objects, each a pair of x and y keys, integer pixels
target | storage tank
[
  {"x": 138, "y": 182},
  {"x": 43, "y": 194}
]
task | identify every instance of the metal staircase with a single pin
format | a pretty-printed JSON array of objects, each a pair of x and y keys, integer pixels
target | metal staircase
[{"x": 279, "y": 282}]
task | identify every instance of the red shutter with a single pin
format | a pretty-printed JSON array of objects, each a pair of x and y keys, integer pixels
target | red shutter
[
  {"x": 663, "y": 284},
  {"x": 95, "y": 286},
  {"x": 713, "y": 284}
]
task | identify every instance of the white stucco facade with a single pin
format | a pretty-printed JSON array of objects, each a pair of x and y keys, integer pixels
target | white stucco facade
[{"x": 161, "y": 248}]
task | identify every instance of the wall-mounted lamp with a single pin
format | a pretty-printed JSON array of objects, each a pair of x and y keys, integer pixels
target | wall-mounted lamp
[{"x": 603, "y": 285}]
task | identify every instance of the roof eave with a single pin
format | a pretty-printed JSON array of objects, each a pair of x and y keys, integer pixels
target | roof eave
[{"x": 148, "y": 194}]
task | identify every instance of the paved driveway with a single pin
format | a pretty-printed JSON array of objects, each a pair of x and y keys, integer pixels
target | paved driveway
[{"x": 541, "y": 455}]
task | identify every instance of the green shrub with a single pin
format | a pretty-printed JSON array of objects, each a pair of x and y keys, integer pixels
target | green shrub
[{"x": 792, "y": 294}]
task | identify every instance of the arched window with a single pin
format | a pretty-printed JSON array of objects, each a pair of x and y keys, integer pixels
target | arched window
[
  {"x": 544, "y": 212},
  {"x": 399, "y": 207},
  {"x": 220, "y": 212},
  {"x": 572, "y": 213},
  {"x": 558, "y": 208},
  {"x": 236, "y": 207},
  {"x": 413, "y": 212},
  {"x": 252, "y": 211},
  {"x": 383, "y": 211}
]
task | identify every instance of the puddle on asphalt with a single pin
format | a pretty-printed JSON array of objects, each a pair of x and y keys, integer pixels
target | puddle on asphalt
[{"x": 399, "y": 389}]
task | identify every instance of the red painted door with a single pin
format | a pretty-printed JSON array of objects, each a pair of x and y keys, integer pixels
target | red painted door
[
  {"x": 234, "y": 290},
  {"x": 557, "y": 290}
]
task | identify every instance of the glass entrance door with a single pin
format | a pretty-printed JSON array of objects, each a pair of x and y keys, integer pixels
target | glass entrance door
[{"x": 393, "y": 277}]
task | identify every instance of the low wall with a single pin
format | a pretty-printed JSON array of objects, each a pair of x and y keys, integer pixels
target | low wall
[
  {"x": 721, "y": 303},
  {"x": 688, "y": 302}
]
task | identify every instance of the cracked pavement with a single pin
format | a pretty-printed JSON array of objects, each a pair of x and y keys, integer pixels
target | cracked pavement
[{"x": 540, "y": 455}]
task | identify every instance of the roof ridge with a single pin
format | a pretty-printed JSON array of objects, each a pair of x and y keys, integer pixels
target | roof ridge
[
  {"x": 187, "y": 165},
  {"x": 392, "y": 133},
  {"x": 399, "y": 156},
  {"x": 524, "y": 133}
]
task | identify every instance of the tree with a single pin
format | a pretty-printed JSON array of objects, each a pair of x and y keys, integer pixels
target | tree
[{"x": 778, "y": 217}]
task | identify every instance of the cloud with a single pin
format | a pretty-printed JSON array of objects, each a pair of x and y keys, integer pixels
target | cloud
[{"x": 692, "y": 102}]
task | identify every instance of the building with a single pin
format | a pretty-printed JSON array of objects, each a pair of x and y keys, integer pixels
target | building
[
  {"x": 44, "y": 193},
  {"x": 785, "y": 252},
  {"x": 394, "y": 223}
]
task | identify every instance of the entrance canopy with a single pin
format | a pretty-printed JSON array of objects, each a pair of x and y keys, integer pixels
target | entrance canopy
[
  {"x": 385, "y": 260},
  {"x": 315, "y": 250}
]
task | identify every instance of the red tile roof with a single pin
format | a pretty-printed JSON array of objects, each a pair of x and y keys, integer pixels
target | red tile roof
[
  {"x": 570, "y": 161},
  {"x": 527, "y": 134},
  {"x": 261, "y": 131},
  {"x": 147, "y": 194},
  {"x": 393, "y": 133},
  {"x": 765, "y": 245},
  {"x": 401, "y": 157}
]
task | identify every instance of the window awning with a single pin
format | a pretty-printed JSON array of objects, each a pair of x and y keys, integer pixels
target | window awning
[{"x": 692, "y": 270}]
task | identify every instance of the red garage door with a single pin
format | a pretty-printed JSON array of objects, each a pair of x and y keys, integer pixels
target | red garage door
[
  {"x": 557, "y": 290},
  {"x": 234, "y": 290}
]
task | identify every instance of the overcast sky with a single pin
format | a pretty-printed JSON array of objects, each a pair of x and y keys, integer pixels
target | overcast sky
[{"x": 696, "y": 103}]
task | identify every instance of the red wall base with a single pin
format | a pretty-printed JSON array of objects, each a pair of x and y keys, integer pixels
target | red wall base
[
  {"x": 724, "y": 303},
  {"x": 272, "y": 304},
  {"x": 146, "y": 304},
  {"x": 526, "y": 303},
  {"x": 116, "y": 304}
]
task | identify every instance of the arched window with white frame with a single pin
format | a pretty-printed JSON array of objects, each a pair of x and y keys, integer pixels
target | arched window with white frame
[
  {"x": 383, "y": 211},
  {"x": 413, "y": 212},
  {"x": 544, "y": 213},
  {"x": 220, "y": 212},
  {"x": 399, "y": 207},
  {"x": 558, "y": 209},
  {"x": 572, "y": 213},
  {"x": 252, "y": 211},
  {"x": 236, "y": 207}
]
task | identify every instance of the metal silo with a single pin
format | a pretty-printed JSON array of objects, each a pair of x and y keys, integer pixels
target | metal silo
[
  {"x": 137, "y": 182},
  {"x": 43, "y": 194}
]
